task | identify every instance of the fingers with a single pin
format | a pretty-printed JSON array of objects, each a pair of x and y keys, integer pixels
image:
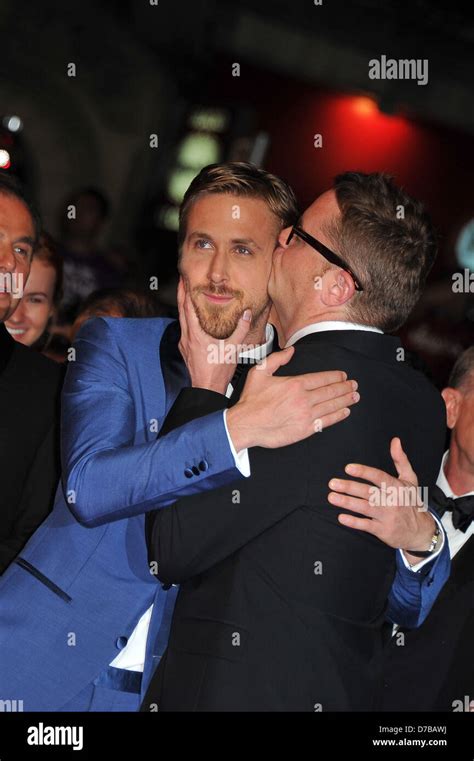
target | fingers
[
  {"x": 326, "y": 421},
  {"x": 333, "y": 392},
  {"x": 374, "y": 475},
  {"x": 362, "y": 524},
  {"x": 323, "y": 409},
  {"x": 326, "y": 378},
  {"x": 354, "y": 504},
  {"x": 240, "y": 333},
  {"x": 181, "y": 294},
  {"x": 352, "y": 488},
  {"x": 402, "y": 463},
  {"x": 276, "y": 359}
]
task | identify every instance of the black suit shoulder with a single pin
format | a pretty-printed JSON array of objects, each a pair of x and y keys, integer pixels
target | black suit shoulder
[{"x": 32, "y": 369}]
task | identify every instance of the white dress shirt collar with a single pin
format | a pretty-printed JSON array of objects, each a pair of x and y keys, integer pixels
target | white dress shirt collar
[
  {"x": 318, "y": 327},
  {"x": 456, "y": 538},
  {"x": 443, "y": 482},
  {"x": 261, "y": 351}
]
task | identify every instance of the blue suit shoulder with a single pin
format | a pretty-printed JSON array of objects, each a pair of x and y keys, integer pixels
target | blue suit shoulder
[{"x": 140, "y": 329}]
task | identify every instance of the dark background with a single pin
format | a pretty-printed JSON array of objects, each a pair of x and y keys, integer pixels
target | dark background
[{"x": 166, "y": 69}]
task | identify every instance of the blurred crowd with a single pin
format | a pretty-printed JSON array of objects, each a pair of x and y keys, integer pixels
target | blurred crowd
[{"x": 73, "y": 279}]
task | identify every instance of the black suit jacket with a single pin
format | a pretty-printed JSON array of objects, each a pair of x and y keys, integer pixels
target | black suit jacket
[
  {"x": 29, "y": 452},
  {"x": 280, "y": 607},
  {"x": 430, "y": 668}
]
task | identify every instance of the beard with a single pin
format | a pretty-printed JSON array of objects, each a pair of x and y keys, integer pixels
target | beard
[{"x": 221, "y": 321}]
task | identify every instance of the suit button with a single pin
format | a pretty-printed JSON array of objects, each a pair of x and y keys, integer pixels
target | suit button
[
  {"x": 121, "y": 643},
  {"x": 196, "y": 471},
  {"x": 203, "y": 466},
  {"x": 188, "y": 473},
  {"x": 430, "y": 582},
  {"x": 165, "y": 587}
]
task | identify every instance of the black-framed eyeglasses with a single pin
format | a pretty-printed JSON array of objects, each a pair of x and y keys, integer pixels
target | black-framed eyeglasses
[{"x": 324, "y": 251}]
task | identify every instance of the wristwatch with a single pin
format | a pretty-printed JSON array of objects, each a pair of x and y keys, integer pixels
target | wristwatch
[{"x": 432, "y": 547}]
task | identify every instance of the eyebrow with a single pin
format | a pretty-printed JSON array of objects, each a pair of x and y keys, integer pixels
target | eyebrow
[
  {"x": 240, "y": 241},
  {"x": 25, "y": 239}
]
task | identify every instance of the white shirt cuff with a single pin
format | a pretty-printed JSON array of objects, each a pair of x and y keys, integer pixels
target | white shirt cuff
[
  {"x": 241, "y": 458},
  {"x": 423, "y": 562}
]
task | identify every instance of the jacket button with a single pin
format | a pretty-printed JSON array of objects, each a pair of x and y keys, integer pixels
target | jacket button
[
  {"x": 166, "y": 587},
  {"x": 188, "y": 473},
  {"x": 121, "y": 643},
  {"x": 430, "y": 582},
  {"x": 203, "y": 466},
  {"x": 196, "y": 471}
]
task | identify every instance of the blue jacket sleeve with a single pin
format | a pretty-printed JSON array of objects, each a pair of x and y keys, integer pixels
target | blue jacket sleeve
[
  {"x": 413, "y": 594},
  {"x": 105, "y": 476}
]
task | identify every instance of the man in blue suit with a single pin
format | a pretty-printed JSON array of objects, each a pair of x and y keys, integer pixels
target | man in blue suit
[
  {"x": 83, "y": 621},
  {"x": 81, "y": 614}
]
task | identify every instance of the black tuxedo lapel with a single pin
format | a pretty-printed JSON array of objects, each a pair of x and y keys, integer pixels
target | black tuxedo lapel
[
  {"x": 462, "y": 566},
  {"x": 462, "y": 572},
  {"x": 238, "y": 381},
  {"x": 173, "y": 368},
  {"x": 243, "y": 367}
]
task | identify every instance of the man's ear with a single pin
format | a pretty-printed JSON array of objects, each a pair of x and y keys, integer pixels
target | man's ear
[
  {"x": 337, "y": 288},
  {"x": 452, "y": 399}
]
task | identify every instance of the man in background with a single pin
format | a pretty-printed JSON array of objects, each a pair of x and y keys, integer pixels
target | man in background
[
  {"x": 437, "y": 660},
  {"x": 29, "y": 390}
]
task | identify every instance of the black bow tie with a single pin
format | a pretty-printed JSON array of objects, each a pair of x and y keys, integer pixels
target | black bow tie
[{"x": 462, "y": 508}]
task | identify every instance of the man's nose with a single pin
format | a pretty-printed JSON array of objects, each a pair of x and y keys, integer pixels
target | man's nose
[
  {"x": 218, "y": 269},
  {"x": 7, "y": 259}
]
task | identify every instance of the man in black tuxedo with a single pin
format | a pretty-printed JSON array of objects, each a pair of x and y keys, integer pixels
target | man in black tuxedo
[
  {"x": 436, "y": 660},
  {"x": 29, "y": 390},
  {"x": 282, "y": 603}
]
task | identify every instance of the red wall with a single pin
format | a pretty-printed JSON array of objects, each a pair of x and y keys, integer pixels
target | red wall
[{"x": 434, "y": 163}]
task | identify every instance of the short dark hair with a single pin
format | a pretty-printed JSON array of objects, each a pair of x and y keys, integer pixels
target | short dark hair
[
  {"x": 463, "y": 370},
  {"x": 387, "y": 238},
  {"x": 11, "y": 186},
  {"x": 47, "y": 253},
  {"x": 130, "y": 302},
  {"x": 240, "y": 178}
]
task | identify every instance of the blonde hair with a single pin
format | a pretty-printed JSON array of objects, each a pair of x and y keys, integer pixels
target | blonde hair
[{"x": 239, "y": 178}]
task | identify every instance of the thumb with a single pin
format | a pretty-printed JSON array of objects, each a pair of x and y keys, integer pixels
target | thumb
[
  {"x": 240, "y": 333},
  {"x": 402, "y": 463},
  {"x": 277, "y": 359}
]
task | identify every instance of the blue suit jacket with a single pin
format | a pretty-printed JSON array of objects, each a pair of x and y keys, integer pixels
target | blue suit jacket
[
  {"x": 75, "y": 594},
  {"x": 71, "y": 600}
]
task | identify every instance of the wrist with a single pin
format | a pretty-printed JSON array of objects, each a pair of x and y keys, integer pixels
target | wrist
[
  {"x": 210, "y": 382},
  {"x": 209, "y": 385},
  {"x": 242, "y": 435},
  {"x": 427, "y": 543}
]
